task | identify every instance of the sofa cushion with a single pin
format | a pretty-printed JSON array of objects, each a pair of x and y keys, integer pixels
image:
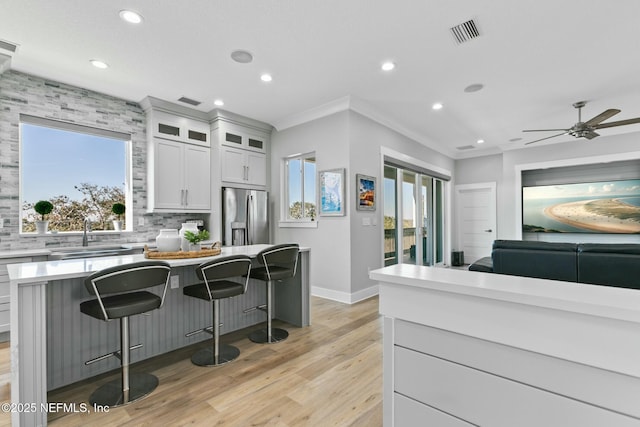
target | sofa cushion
[
  {"x": 609, "y": 264},
  {"x": 544, "y": 260}
]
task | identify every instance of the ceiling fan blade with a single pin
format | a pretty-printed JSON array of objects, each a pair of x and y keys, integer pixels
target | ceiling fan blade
[
  {"x": 618, "y": 123},
  {"x": 549, "y": 137},
  {"x": 602, "y": 116},
  {"x": 590, "y": 134},
  {"x": 545, "y": 130}
]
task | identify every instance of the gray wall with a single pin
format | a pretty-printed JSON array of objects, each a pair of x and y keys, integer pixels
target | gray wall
[
  {"x": 22, "y": 93},
  {"x": 342, "y": 248},
  {"x": 502, "y": 169}
]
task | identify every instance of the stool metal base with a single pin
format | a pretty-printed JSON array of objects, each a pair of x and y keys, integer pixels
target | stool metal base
[
  {"x": 261, "y": 336},
  {"x": 205, "y": 357},
  {"x": 110, "y": 394}
]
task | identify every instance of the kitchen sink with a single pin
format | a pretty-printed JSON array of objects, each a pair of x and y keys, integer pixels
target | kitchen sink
[{"x": 88, "y": 252}]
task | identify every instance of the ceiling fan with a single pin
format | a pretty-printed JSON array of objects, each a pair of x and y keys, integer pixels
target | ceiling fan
[{"x": 586, "y": 129}]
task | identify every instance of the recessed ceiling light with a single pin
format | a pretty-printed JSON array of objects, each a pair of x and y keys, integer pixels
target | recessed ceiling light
[
  {"x": 131, "y": 16},
  {"x": 219, "y": 102},
  {"x": 474, "y": 87},
  {"x": 480, "y": 141},
  {"x": 99, "y": 64},
  {"x": 437, "y": 106},
  {"x": 241, "y": 56},
  {"x": 388, "y": 66},
  {"x": 266, "y": 77}
]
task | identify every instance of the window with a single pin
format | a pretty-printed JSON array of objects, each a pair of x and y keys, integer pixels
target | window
[
  {"x": 82, "y": 171},
  {"x": 300, "y": 200}
]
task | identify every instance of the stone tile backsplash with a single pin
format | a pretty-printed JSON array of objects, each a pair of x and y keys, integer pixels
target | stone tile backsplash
[{"x": 26, "y": 94}]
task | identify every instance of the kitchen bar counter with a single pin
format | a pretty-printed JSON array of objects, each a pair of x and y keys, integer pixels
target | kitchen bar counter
[
  {"x": 51, "y": 339},
  {"x": 465, "y": 348}
]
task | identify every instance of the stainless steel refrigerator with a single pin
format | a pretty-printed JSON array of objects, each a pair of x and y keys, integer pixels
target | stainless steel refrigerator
[{"x": 245, "y": 218}]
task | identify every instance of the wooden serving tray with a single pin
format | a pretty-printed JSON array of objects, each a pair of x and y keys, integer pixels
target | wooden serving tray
[{"x": 204, "y": 252}]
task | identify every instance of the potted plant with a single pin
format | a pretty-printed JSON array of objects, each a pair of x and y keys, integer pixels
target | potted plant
[
  {"x": 195, "y": 239},
  {"x": 118, "y": 209},
  {"x": 43, "y": 207}
]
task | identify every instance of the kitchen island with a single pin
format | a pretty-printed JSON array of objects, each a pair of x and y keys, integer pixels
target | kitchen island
[
  {"x": 51, "y": 339},
  {"x": 463, "y": 348}
]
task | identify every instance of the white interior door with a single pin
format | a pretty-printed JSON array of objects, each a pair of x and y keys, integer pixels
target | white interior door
[{"x": 476, "y": 219}]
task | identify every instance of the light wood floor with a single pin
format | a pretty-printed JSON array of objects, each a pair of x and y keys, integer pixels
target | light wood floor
[{"x": 328, "y": 374}]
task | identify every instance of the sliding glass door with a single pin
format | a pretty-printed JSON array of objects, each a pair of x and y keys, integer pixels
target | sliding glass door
[{"x": 414, "y": 217}]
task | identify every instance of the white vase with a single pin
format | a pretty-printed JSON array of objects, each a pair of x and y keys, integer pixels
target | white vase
[
  {"x": 117, "y": 225},
  {"x": 41, "y": 227},
  {"x": 168, "y": 240},
  {"x": 187, "y": 226},
  {"x": 195, "y": 246}
]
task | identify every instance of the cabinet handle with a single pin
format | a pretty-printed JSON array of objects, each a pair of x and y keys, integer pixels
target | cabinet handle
[
  {"x": 246, "y": 173},
  {"x": 182, "y": 197},
  {"x": 186, "y": 197}
]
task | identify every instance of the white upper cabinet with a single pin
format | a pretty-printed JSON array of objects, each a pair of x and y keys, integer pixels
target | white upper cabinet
[
  {"x": 243, "y": 155},
  {"x": 178, "y": 163},
  {"x": 177, "y": 128}
]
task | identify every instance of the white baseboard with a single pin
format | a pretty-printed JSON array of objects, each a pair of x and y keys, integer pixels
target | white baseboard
[{"x": 344, "y": 297}]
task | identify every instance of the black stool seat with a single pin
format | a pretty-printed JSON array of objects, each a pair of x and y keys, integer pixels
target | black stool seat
[
  {"x": 118, "y": 306},
  {"x": 221, "y": 289},
  {"x": 273, "y": 273},
  {"x": 278, "y": 262},
  {"x": 214, "y": 287},
  {"x": 119, "y": 295}
]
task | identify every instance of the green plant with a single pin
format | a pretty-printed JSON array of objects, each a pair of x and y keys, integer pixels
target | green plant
[
  {"x": 118, "y": 209},
  {"x": 198, "y": 237},
  {"x": 43, "y": 207}
]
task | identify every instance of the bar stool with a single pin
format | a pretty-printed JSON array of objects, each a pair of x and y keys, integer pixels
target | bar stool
[
  {"x": 277, "y": 262},
  {"x": 215, "y": 287},
  {"x": 123, "y": 284}
]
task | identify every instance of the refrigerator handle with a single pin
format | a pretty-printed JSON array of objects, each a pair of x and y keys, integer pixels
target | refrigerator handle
[{"x": 247, "y": 232}]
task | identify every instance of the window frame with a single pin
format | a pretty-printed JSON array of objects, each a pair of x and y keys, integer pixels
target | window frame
[
  {"x": 87, "y": 130},
  {"x": 286, "y": 220}
]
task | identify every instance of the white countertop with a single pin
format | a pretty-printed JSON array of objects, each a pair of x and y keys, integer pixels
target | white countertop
[
  {"x": 603, "y": 301},
  {"x": 34, "y": 272}
]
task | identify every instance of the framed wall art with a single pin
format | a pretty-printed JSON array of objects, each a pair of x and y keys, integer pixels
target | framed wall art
[
  {"x": 365, "y": 193},
  {"x": 331, "y": 192}
]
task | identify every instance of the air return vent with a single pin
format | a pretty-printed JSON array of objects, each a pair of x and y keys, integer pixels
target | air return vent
[
  {"x": 464, "y": 32},
  {"x": 465, "y": 147},
  {"x": 8, "y": 46},
  {"x": 189, "y": 101}
]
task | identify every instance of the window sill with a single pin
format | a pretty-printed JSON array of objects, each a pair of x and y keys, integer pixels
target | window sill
[
  {"x": 76, "y": 233},
  {"x": 298, "y": 224}
]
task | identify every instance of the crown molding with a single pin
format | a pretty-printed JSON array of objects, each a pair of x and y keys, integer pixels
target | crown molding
[{"x": 361, "y": 107}]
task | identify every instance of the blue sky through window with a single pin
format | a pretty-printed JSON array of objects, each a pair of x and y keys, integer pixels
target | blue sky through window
[{"x": 54, "y": 160}]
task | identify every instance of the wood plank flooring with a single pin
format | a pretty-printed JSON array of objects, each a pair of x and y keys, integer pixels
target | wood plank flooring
[{"x": 328, "y": 374}]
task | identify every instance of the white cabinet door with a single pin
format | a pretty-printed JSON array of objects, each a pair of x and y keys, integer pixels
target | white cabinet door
[
  {"x": 169, "y": 174},
  {"x": 182, "y": 177},
  {"x": 256, "y": 168},
  {"x": 234, "y": 167},
  {"x": 197, "y": 177}
]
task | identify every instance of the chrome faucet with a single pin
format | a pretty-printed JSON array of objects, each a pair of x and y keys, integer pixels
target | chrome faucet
[{"x": 86, "y": 229}]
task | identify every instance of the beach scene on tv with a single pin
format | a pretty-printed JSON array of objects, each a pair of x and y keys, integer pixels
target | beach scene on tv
[{"x": 595, "y": 207}]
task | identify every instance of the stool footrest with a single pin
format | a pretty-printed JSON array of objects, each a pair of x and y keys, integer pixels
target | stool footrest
[
  {"x": 108, "y": 355},
  {"x": 262, "y": 307},
  {"x": 208, "y": 329}
]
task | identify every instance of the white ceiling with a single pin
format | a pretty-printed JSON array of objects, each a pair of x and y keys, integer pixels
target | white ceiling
[{"x": 534, "y": 57}]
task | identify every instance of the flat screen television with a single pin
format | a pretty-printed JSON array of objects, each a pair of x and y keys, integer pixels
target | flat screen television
[{"x": 590, "y": 207}]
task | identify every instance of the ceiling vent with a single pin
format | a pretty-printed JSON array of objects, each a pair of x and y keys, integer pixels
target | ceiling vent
[
  {"x": 466, "y": 147},
  {"x": 189, "y": 101},
  {"x": 464, "y": 32},
  {"x": 8, "y": 46}
]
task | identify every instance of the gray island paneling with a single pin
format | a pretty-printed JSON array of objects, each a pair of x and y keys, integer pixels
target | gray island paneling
[{"x": 51, "y": 339}]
